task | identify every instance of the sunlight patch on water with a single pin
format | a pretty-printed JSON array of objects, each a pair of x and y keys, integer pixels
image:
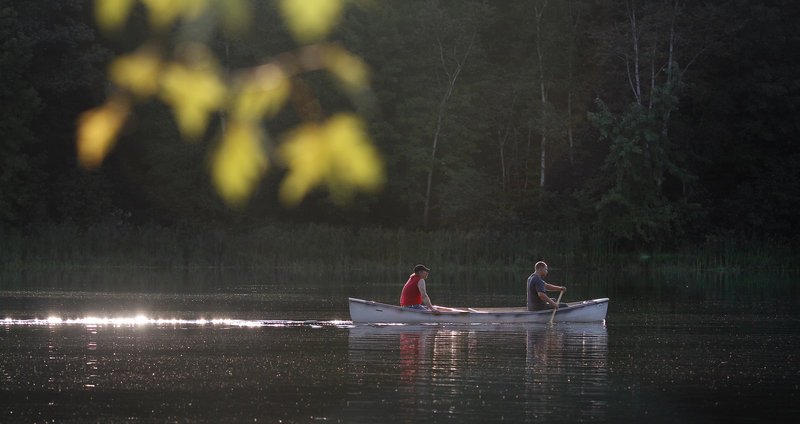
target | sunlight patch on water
[{"x": 141, "y": 320}]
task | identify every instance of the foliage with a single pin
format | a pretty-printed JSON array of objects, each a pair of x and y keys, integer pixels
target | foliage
[
  {"x": 19, "y": 104},
  {"x": 641, "y": 154},
  {"x": 48, "y": 62},
  {"x": 633, "y": 207},
  {"x": 191, "y": 81}
]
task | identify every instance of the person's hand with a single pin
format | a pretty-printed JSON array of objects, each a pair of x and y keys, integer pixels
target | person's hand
[
  {"x": 435, "y": 311},
  {"x": 563, "y": 289}
]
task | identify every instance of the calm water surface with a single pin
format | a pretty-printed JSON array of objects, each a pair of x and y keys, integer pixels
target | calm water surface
[{"x": 241, "y": 347}]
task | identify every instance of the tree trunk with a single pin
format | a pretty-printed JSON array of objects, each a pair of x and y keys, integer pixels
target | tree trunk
[
  {"x": 527, "y": 155},
  {"x": 441, "y": 110},
  {"x": 670, "y": 66},
  {"x": 502, "y": 139},
  {"x": 543, "y": 95},
  {"x": 433, "y": 161},
  {"x": 574, "y": 20},
  {"x": 634, "y": 80},
  {"x": 569, "y": 126}
]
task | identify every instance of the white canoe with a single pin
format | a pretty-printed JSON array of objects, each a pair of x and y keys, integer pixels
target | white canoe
[{"x": 366, "y": 311}]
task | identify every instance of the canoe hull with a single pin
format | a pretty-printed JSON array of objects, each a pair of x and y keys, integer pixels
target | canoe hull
[{"x": 365, "y": 311}]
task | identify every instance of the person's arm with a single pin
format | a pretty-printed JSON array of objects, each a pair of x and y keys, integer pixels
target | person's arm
[
  {"x": 425, "y": 299},
  {"x": 546, "y": 299}
]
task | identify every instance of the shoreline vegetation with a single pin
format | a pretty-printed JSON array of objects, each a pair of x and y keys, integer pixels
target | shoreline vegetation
[{"x": 295, "y": 247}]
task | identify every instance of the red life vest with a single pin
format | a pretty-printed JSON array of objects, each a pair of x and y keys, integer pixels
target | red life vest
[{"x": 411, "y": 294}]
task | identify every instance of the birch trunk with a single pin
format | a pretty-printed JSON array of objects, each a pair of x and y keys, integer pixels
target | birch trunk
[
  {"x": 574, "y": 20},
  {"x": 452, "y": 77},
  {"x": 543, "y": 95},
  {"x": 670, "y": 66},
  {"x": 634, "y": 80}
]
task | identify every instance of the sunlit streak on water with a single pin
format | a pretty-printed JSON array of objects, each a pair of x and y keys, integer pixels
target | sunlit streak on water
[{"x": 141, "y": 320}]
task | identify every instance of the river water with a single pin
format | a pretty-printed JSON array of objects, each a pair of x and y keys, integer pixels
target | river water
[{"x": 190, "y": 346}]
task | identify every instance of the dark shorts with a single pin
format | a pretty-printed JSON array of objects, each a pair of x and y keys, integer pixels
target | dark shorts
[{"x": 417, "y": 306}]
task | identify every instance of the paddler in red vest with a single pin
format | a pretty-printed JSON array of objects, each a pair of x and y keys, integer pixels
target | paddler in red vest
[{"x": 414, "y": 295}]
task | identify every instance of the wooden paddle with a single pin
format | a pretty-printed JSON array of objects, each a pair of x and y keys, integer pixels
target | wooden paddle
[
  {"x": 445, "y": 308},
  {"x": 556, "y": 308}
]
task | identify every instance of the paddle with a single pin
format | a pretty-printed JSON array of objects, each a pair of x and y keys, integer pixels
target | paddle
[
  {"x": 445, "y": 308},
  {"x": 556, "y": 308}
]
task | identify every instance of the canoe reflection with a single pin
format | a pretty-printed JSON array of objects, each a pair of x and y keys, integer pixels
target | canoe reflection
[{"x": 515, "y": 372}]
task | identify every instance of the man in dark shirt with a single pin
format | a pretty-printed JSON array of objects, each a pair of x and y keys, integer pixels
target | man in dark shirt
[{"x": 537, "y": 290}]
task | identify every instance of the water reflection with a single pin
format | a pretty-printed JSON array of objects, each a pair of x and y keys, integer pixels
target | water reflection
[
  {"x": 73, "y": 372},
  {"x": 91, "y": 357},
  {"x": 491, "y": 372},
  {"x": 569, "y": 361},
  {"x": 91, "y": 323}
]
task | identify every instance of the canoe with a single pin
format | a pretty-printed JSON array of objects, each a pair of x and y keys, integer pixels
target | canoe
[{"x": 367, "y": 311}]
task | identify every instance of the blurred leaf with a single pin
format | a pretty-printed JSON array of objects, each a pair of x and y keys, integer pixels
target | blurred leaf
[
  {"x": 356, "y": 162},
  {"x": 304, "y": 152},
  {"x": 239, "y": 163},
  {"x": 112, "y": 14},
  {"x": 98, "y": 129},
  {"x": 262, "y": 93},
  {"x": 193, "y": 93},
  {"x": 138, "y": 72},
  {"x": 337, "y": 153},
  {"x": 163, "y": 13},
  {"x": 348, "y": 68},
  {"x": 311, "y": 20}
]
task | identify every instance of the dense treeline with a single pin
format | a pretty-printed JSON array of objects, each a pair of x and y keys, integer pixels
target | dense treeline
[{"x": 632, "y": 124}]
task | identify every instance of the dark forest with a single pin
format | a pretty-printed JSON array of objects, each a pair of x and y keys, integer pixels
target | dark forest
[{"x": 633, "y": 125}]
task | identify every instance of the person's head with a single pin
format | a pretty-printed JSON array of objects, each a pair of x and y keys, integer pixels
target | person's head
[
  {"x": 421, "y": 270},
  {"x": 541, "y": 268}
]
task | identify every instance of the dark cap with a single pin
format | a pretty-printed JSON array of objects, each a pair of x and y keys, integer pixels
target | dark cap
[{"x": 421, "y": 267}]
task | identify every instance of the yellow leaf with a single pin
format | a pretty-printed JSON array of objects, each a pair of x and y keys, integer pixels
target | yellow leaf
[
  {"x": 338, "y": 154},
  {"x": 98, "y": 129},
  {"x": 311, "y": 20},
  {"x": 112, "y": 14},
  {"x": 348, "y": 68},
  {"x": 305, "y": 153},
  {"x": 163, "y": 13},
  {"x": 261, "y": 93},
  {"x": 357, "y": 163},
  {"x": 239, "y": 163},
  {"x": 138, "y": 72},
  {"x": 193, "y": 93}
]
